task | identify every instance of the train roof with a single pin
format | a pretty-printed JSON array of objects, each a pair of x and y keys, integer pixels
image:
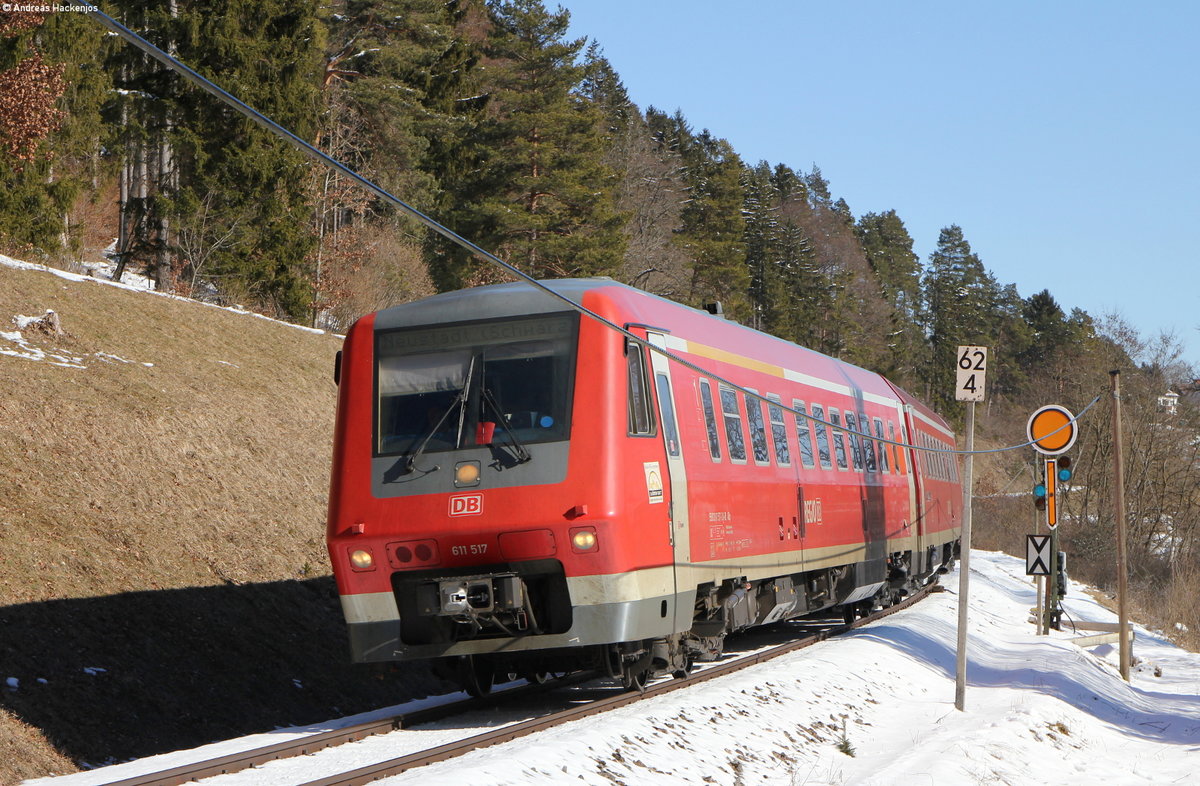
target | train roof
[
  {"x": 490, "y": 302},
  {"x": 638, "y": 307}
]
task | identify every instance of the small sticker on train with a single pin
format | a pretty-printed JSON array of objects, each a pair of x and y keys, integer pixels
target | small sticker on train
[{"x": 654, "y": 485}]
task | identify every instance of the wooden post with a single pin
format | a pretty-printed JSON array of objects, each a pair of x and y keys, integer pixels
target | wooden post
[{"x": 1119, "y": 512}]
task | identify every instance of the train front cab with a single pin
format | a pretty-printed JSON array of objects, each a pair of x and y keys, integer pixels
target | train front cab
[{"x": 509, "y": 532}]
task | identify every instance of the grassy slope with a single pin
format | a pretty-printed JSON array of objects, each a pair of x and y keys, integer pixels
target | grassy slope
[{"x": 164, "y": 523}]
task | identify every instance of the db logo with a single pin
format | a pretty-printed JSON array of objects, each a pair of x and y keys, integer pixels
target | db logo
[{"x": 466, "y": 505}]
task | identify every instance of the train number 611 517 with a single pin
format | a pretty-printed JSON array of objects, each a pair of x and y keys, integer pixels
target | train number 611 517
[{"x": 474, "y": 549}]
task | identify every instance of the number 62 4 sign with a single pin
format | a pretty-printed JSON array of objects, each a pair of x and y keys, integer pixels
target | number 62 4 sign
[{"x": 971, "y": 369}]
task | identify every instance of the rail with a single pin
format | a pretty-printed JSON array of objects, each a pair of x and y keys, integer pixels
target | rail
[{"x": 236, "y": 762}]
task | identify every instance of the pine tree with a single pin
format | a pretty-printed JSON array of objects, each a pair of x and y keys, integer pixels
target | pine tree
[
  {"x": 394, "y": 73},
  {"x": 889, "y": 251},
  {"x": 268, "y": 53},
  {"x": 543, "y": 194},
  {"x": 712, "y": 230},
  {"x": 960, "y": 298},
  {"x": 760, "y": 211}
]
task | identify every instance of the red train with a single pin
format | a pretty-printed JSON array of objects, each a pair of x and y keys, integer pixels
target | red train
[{"x": 519, "y": 488}]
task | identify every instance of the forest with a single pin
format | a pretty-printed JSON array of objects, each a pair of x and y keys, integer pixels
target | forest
[{"x": 488, "y": 117}]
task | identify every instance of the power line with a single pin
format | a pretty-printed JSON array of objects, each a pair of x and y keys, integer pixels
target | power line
[{"x": 322, "y": 158}]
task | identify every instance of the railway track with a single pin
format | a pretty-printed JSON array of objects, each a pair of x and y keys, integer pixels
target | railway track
[{"x": 575, "y": 711}]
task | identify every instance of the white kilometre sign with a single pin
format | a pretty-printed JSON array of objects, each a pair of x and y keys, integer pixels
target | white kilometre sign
[{"x": 972, "y": 369}]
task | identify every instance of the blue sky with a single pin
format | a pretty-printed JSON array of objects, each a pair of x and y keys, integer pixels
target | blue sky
[{"x": 1063, "y": 137}]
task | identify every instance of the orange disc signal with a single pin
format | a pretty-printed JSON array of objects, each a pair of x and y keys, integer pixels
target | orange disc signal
[{"x": 1052, "y": 430}]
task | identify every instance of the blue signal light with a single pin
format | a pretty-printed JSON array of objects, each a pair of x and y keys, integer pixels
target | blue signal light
[
  {"x": 1039, "y": 490},
  {"x": 1064, "y": 474}
]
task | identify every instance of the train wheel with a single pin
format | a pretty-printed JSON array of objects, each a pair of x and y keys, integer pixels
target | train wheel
[
  {"x": 634, "y": 678},
  {"x": 536, "y": 677},
  {"x": 475, "y": 675},
  {"x": 686, "y": 670}
]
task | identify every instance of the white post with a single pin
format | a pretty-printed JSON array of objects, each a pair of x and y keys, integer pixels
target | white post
[{"x": 964, "y": 563}]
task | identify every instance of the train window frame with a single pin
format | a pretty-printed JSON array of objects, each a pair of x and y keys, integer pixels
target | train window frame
[
  {"x": 445, "y": 338},
  {"x": 898, "y": 455},
  {"x": 637, "y": 390},
  {"x": 869, "y": 452},
  {"x": 883, "y": 447},
  {"x": 709, "y": 412},
  {"x": 779, "y": 431},
  {"x": 839, "y": 445},
  {"x": 804, "y": 437},
  {"x": 666, "y": 407},
  {"x": 856, "y": 449},
  {"x": 733, "y": 423},
  {"x": 757, "y": 427},
  {"x": 824, "y": 451}
]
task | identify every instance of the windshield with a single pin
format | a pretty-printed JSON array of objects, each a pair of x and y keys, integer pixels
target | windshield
[{"x": 525, "y": 367}]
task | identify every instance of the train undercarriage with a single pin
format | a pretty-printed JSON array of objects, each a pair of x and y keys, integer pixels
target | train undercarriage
[{"x": 508, "y": 606}]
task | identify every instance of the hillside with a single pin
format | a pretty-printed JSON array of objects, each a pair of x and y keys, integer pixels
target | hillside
[{"x": 163, "y": 476}]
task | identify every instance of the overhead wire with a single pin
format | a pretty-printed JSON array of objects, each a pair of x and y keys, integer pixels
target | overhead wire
[{"x": 322, "y": 158}]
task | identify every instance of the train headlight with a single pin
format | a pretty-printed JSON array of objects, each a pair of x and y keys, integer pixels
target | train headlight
[
  {"x": 361, "y": 559},
  {"x": 466, "y": 473},
  {"x": 584, "y": 539}
]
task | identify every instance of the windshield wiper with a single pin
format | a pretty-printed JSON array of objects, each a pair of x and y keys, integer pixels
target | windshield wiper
[
  {"x": 490, "y": 402},
  {"x": 460, "y": 403}
]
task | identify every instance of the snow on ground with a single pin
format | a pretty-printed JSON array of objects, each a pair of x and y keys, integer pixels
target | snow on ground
[
  {"x": 873, "y": 707},
  {"x": 102, "y": 272}
]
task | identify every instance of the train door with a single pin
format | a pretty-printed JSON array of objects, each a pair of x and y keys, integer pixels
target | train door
[
  {"x": 916, "y": 475},
  {"x": 676, "y": 477}
]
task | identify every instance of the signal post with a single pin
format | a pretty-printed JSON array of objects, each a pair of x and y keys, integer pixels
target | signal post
[{"x": 1051, "y": 429}]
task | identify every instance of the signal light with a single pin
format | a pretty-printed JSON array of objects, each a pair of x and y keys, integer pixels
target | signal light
[{"x": 1064, "y": 468}]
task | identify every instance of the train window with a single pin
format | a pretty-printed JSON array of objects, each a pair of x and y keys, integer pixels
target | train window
[
  {"x": 839, "y": 447},
  {"x": 868, "y": 443},
  {"x": 856, "y": 451},
  {"x": 803, "y": 435},
  {"x": 897, "y": 451},
  {"x": 822, "y": 436},
  {"x": 710, "y": 420},
  {"x": 666, "y": 406},
  {"x": 434, "y": 384},
  {"x": 869, "y": 453},
  {"x": 783, "y": 454},
  {"x": 758, "y": 431},
  {"x": 641, "y": 419},
  {"x": 883, "y": 448},
  {"x": 733, "y": 426}
]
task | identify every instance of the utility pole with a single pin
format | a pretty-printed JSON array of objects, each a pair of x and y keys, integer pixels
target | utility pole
[{"x": 1119, "y": 512}]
